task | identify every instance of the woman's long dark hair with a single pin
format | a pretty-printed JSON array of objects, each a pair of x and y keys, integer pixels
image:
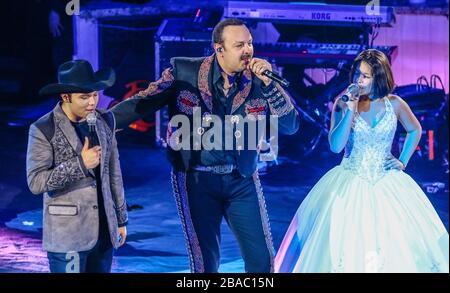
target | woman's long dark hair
[{"x": 383, "y": 80}]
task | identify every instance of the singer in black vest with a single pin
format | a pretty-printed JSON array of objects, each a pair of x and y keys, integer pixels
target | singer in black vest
[
  {"x": 212, "y": 184},
  {"x": 73, "y": 160}
]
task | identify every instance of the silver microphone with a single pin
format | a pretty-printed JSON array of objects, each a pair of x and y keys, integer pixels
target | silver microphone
[
  {"x": 352, "y": 91},
  {"x": 273, "y": 76},
  {"x": 91, "y": 119}
]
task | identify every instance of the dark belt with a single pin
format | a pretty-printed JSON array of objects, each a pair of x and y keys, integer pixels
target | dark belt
[{"x": 219, "y": 169}]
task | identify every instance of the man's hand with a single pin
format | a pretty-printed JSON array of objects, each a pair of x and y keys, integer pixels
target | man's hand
[
  {"x": 122, "y": 235},
  {"x": 90, "y": 156},
  {"x": 258, "y": 66}
]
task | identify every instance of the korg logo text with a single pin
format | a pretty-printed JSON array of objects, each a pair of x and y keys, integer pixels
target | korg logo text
[{"x": 321, "y": 16}]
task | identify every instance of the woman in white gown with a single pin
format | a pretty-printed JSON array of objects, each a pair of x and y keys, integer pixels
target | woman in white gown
[{"x": 366, "y": 214}]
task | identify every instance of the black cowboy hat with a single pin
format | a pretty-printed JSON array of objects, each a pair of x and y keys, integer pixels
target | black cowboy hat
[{"x": 77, "y": 76}]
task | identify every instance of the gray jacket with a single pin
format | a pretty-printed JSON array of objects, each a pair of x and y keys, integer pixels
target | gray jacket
[{"x": 56, "y": 169}]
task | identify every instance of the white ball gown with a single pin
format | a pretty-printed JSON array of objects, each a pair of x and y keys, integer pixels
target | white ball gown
[{"x": 362, "y": 218}]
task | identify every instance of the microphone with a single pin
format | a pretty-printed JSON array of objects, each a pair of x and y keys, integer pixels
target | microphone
[
  {"x": 352, "y": 91},
  {"x": 276, "y": 77},
  {"x": 91, "y": 119}
]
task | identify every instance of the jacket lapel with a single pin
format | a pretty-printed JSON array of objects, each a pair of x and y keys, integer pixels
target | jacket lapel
[
  {"x": 63, "y": 123},
  {"x": 68, "y": 130},
  {"x": 240, "y": 97},
  {"x": 204, "y": 81},
  {"x": 101, "y": 134}
]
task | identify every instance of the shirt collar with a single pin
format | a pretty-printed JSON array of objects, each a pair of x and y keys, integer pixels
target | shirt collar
[{"x": 218, "y": 74}]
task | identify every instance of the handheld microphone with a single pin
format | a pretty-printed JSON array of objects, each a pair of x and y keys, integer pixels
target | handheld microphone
[
  {"x": 276, "y": 77},
  {"x": 273, "y": 76},
  {"x": 352, "y": 91},
  {"x": 91, "y": 119}
]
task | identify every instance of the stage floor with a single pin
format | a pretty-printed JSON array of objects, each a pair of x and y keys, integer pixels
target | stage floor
[{"x": 155, "y": 241}]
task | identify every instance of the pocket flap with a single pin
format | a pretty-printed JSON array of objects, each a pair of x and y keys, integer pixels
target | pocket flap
[{"x": 63, "y": 210}]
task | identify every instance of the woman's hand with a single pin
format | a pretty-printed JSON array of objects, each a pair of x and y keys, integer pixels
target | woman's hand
[
  {"x": 393, "y": 163},
  {"x": 352, "y": 104}
]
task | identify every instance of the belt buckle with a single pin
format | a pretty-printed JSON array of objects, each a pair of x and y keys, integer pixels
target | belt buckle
[{"x": 223, "y": 169}]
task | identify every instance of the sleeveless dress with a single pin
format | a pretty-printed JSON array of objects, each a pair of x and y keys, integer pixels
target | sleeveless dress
[{"x": 360, "y": 217}]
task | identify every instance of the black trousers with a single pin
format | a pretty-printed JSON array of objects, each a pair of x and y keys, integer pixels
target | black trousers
[{"x": 212, "y": 197}]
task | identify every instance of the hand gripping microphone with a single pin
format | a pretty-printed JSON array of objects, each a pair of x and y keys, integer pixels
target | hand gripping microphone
[{"x": 352, "y": 91}]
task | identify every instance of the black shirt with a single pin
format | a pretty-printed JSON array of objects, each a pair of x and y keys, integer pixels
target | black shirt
[
  {"x": 222, "y": 105},
  {"x": 82, "y": 130}
]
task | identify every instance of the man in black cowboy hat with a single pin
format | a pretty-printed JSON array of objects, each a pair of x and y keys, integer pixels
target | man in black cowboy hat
[
  {"x": 73, "y": 160},
  {"x": 219, "y": 182}
]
